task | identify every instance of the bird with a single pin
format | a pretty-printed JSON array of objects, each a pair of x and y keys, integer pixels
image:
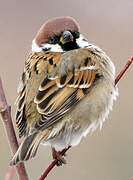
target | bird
[{"x": 66, "y": 90}]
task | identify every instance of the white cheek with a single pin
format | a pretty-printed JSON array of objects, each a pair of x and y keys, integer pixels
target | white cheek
[
  {"x": 82, "y": 42},
  {"x": 50, "y": 47},
  {"x": 54, "y": 48},
  {"x": 35, "y": 48}
]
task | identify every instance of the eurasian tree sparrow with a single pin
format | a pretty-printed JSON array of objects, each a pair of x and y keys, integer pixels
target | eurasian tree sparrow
[{"x": 66, "y": 90}]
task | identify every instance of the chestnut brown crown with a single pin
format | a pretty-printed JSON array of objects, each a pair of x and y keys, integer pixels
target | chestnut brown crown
[{"x": 55, "y": 27}]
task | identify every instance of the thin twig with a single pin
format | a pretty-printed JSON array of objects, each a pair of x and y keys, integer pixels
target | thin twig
[
  {"x": 10, "y": 173},
  {"x": 7, "y": 121},
  {"x": 11, "y": 170},
  {"x": 51, "y": 166},
  {"x": 124, "y": 70}
]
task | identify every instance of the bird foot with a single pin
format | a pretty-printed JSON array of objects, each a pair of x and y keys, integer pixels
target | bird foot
[{"x": 58, "y": 156}]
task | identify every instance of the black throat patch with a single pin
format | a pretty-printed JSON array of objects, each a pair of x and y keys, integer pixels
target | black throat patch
[{"x": 69, "y": 46}]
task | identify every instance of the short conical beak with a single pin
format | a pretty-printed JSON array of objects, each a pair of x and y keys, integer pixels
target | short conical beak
[{"x": 66, "y": 37}]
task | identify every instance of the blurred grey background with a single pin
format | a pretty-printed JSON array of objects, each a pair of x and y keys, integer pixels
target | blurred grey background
[{"x": 106, "y": 154}]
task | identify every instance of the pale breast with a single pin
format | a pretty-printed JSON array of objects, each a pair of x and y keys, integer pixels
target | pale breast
[{"x": 85, "y": 117}]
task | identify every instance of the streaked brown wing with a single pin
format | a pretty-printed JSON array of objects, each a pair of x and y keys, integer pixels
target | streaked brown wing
[
  {"x": 35, "y": 65},
  {"x": 20, "y": 113},
  {"x": 64, "y": 87}
]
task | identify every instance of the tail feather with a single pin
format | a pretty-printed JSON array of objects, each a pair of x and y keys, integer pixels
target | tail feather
[{"x": 27, "y": 149}]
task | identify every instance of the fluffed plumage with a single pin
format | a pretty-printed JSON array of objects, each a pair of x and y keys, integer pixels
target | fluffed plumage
[{"x": 63, "y": 94}]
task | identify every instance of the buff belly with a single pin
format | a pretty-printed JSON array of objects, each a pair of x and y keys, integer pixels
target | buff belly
[{"x": 84, "y": 118}]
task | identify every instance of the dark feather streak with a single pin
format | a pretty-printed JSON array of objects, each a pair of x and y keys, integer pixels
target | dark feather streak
[
  {"x": 35, "y": 67},
  {"x": 23, "y": 77},
  {"x": 63, "y": 79},
  {"x": 71, "y": 81},
  {"x": 41, "y": 94},
  {"x": 21, "y": 102},
  {"x": 44, "y": 103},
  {"x": 86, "y": 61},
  {"x": 45, "y": 81},
  {"x": 17, "y": 114},
  {"x": 51, "y": 61},
  {"x": 82, "y": 81}
]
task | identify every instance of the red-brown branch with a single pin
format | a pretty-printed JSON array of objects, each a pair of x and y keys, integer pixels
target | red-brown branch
[
  {"x": 51, "y": 166},
  {"x": 7, "y": 121},
  {"x": 10, "y": 173},
  {"x": 124, "y": 70}
]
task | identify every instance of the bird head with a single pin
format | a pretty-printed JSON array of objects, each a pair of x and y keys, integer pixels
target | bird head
[{"x": 59, "y": 35}]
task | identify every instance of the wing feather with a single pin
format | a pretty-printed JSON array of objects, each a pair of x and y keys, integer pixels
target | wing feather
[
  {"x": 36, "y": 63},
  {"x": 63, "y": 88},
  {"x": 67, "y": 79}
]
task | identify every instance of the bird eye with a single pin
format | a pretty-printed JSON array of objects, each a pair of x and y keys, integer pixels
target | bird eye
[{"x": 53, "y": 40}]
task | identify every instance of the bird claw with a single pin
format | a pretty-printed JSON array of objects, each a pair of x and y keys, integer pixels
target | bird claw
[
  {"x": 60, "y": 161},
  {"x": 58, "y": 156}
]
